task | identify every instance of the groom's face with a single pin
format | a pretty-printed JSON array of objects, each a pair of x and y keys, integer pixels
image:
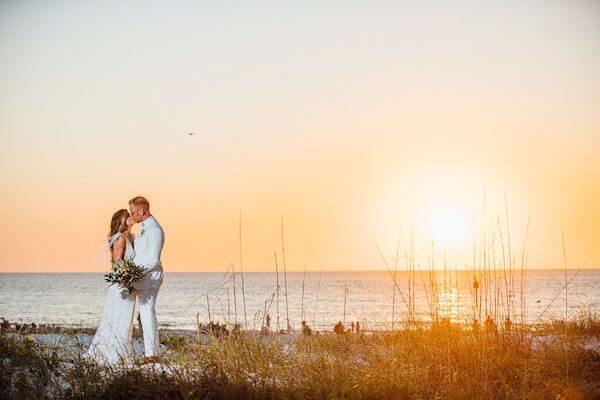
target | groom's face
[{"x": 137, "y": 213}]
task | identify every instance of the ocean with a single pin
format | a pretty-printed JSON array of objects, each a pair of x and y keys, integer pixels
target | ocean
[{"x": 322, "y": 299}]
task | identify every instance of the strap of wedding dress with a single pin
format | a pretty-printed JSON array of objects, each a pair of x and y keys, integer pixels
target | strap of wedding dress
[{"x": 114, "y": 238}]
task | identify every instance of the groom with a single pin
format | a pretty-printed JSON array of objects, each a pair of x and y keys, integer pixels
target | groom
[{"x": 148, "y": 246}]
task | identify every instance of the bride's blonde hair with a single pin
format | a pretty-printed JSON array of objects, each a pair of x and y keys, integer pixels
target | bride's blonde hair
[{"x": 118, "y": 222}]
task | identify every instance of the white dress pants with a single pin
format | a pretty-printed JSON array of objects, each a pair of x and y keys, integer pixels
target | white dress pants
[{"x": 147, "y": 302}]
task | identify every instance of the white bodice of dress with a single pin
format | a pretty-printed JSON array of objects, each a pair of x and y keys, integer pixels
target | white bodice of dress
[{"x": 129, "y": 250}]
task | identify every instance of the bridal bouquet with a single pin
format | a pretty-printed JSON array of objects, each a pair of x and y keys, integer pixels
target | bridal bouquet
[{"x": 124, "y": 273}]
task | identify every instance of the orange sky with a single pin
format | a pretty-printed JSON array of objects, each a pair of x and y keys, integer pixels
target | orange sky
[{"x": 355, "y": 122}]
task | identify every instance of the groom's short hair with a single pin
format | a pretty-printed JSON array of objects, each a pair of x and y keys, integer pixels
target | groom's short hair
[{"x": 140, "y": 202}]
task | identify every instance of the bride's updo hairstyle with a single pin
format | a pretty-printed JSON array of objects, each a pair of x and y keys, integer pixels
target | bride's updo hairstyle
[{"x": 118, "y": 222}]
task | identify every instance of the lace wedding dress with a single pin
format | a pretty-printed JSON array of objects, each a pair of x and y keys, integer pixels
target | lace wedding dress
[{"x": 112, "y": 342}]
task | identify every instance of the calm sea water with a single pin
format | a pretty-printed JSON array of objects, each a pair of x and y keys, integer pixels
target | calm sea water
[{"x": 77, "y": 299}]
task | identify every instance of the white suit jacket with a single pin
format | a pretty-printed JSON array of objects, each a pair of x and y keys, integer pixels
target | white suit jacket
[{"x": 148, "y": 247}]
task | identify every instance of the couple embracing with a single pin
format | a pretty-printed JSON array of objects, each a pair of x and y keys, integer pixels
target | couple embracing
[{"x": 112, "y": 342}]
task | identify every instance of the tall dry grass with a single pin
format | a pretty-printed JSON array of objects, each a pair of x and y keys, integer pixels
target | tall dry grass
[{"x": 443, "y": 360}]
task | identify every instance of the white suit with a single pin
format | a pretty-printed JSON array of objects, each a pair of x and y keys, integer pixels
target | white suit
[{"x": 148, "y": 246}]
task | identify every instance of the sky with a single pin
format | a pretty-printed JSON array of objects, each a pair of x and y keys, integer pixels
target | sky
[{"x": 360, "y": 124}]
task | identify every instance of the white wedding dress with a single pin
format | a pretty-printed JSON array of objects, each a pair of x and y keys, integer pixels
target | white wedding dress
[{"x": 112, "y": 342}]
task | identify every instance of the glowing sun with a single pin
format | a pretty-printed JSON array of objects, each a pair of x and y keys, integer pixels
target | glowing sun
[{"x": 447, "y": 227}]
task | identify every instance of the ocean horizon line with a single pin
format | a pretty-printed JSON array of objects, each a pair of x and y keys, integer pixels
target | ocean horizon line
[{"x": 516, "y": 269}]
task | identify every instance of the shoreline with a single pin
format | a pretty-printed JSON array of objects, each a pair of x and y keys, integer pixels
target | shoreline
[{"x": 218, "y": 329}]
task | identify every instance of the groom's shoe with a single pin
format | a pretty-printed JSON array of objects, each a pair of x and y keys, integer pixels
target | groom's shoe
[{"x": 150, "y": 359}]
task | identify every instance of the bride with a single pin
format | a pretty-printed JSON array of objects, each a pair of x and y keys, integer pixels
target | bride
[{"x": 112, "y": 342}]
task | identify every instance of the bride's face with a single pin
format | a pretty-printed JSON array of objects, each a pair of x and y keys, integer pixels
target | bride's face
[
  {"x": 130, "y": 221},
  {"x": 124, "y": 223}
]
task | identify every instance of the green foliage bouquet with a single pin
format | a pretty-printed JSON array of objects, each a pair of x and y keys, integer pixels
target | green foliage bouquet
[{"x": 124, "y": 273}]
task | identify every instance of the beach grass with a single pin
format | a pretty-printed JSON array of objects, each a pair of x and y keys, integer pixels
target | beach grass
[{"x": 436, "y": 361}]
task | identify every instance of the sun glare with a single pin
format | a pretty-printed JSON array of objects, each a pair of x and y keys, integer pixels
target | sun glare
[{"x": 448, "y": 227}]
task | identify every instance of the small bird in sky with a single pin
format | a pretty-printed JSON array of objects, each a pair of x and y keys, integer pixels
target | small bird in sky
[{"x": 190, "y": 133}]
